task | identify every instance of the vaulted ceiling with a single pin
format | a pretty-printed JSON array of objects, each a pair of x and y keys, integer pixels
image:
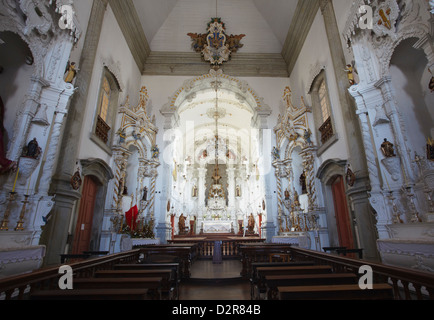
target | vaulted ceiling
[{"x": 156, "y": 31}]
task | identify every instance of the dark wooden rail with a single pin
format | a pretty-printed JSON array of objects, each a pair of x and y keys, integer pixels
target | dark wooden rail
[
  {"x": 407, "y": 284},
  {"x": 17, "y": 287}
]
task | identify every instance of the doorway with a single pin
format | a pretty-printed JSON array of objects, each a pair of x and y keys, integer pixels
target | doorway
[
  {"x": 83, "y": 229},
  {"x": 343, "y": 221}
]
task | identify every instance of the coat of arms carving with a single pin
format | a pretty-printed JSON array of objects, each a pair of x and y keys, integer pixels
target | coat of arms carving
[{"x": 216, "y": 46}]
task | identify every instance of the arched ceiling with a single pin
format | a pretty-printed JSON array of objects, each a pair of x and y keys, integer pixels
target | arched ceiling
[
  {"x": 156, "y": 32},
  {"x": 167, "y": 22}
]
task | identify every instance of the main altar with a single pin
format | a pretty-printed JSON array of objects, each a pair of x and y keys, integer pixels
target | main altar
[{"x": 216, "y": 218}]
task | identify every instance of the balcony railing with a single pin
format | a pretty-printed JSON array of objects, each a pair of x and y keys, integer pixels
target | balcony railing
[
  {"x": 326, "y": 131},
  {"x": 102, "y": 129}
]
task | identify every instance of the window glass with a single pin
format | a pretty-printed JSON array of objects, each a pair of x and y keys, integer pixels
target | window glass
[{"x": 105, "y": 99}]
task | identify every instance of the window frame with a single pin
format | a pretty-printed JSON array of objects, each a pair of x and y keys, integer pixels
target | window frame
[
  {"x": 112, "y": 106},
  {"x": 320, "y": 122}
]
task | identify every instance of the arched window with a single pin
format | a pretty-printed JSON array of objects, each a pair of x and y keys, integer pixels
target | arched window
[
  {"x": 105, "y": 99},
  {"x": 322, "y": 112},
  {"x": 102, "y": 133}
]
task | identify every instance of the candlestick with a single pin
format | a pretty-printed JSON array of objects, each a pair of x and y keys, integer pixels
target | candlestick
[
  {"x": 20, "y": 222},
  {"x": 16, "y": 178},
  {"x": 5, "y": 223}
]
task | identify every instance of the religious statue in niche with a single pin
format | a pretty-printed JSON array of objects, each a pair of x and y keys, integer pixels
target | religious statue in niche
[
  {"x": 6, "y": 165},
  {"x": 155, "y": 152},
  {"x": 431, "y": 83},
  {"x": 276, "y": 153},
  {"x": 238, "y": 191},
  {"x": 145, "y": 194},
  {"x": 296, "y": 198},
  {"x": 194, "y": 192},
  {"x": 215, "y": 46},
  {"x": 307, "y": 136},
  {"x": 122, "y": 135},
  {"x": 181, "y": 224},
  {"x": 430, "y": 150},
  {"x": 287, "y": 195},
  {"x": 32, "y": 150},
  {"x": 70, "y": 72},
  {"x": 350, "y": 69},
  {"x": 303, "y": 183},
  {"x": 388, "y": 149},
  {"x": 251, "y": 224},
  {"x": 135, "y": 135}
]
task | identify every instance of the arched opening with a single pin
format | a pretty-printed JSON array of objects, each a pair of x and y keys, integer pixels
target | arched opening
[
  {"x": 411, "y": 77},
  {"x": 216, "y": 160},
  {"x": 16, "y": 70}
]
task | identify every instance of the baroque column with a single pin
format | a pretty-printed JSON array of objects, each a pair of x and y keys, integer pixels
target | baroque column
[
  {"x": 55, "y": 232},
  {"x": 359, "y": 192}
]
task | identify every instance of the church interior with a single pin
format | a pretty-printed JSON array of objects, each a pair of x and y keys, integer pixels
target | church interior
[{"x": 255, "y": 149}]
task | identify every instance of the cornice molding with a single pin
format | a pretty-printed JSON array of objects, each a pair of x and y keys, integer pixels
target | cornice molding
[
  {"x": 192, "y": 64},
  {"x": 129, "y": 22},
  {"x": 301, "y": 24}
]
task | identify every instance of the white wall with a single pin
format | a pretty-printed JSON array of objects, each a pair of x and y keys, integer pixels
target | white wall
[
  {"x": 112, "y": 50},
  {"x": 316, "y": 53}
]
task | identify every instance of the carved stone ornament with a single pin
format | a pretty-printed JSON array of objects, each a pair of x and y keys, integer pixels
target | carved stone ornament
[
  {"x": 215, "y": 46},
  {"x": 76, "y": 180},
  {"x": 350, "y": 177},
  {"x": 385, "y": 18}
]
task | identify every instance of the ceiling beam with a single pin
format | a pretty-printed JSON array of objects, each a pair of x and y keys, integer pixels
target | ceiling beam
[
  {"x": 129, "y": 22},
  {"x": 304, "y": 16}
]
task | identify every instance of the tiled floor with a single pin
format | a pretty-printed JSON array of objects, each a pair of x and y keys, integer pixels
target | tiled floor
[{"x": 215, "y": 282}]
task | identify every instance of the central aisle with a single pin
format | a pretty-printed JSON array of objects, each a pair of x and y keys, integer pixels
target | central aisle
[{"x": 215, "y": 282}]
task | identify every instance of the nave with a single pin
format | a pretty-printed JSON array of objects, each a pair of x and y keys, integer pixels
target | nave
[{"x": 257, "y": 271}]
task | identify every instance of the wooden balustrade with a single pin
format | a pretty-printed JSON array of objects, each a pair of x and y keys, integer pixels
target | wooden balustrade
[
  {"x": 407, "y": 284},
  {"x": 18, "y": 287}
]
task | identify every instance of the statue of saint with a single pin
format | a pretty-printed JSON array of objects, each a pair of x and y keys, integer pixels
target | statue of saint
[
  {"x": 251, "y": 224},
  {"x": 71, "y": 72},
  {"x": 303, "y": 183},
  {"x": 181, "y": 223},
  {"x": 388, "y": 149},
  {"x": 32, "y": 150},
  {"x": 287, "y": 195},
  {"x": 145, "y": 194}
]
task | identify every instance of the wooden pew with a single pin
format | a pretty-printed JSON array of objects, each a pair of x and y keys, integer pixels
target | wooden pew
[
  {"x": 272, "y": 282},
  {"x": 262, "y": 272},
  {"x": 153, "y": 285},
  {"x": 255, "y": 281},
  {"x": 165, "y": 274},
  {"x": 253, "y": 252},
  {"x": 175, "y": 278},
  {"x": 91, "y": 294},
  {"x": 183, "y": 255},
  {"x": 336, "y": 292}
]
